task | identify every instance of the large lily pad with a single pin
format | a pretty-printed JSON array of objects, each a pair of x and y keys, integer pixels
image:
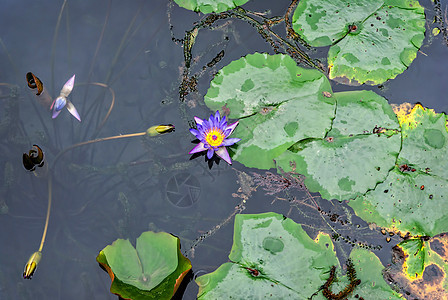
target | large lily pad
[
  {"x": 356, "y": 154},
  {"x": 272, "y": 255},
  {"x": 152, "y": 270},
  {"x": 369, "y": 270},
  {"x": 277, "y": 102},
  {"x": 371, "y": 41},
  {"x": 413, "y": 198},
  {"x": 208, "y": 6}
]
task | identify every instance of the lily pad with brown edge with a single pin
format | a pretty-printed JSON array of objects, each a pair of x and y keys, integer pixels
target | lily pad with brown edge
[
  {"x": 371, "y": 40},
  {"x": 414, "y": 196},
  {"x": 356, "y": 154},
  {"x": 272, "y": 256},
  {"x": 277, "y": 104},
  {"x": 153, "y": 269},
  {"x": 208, "y": 6},
  {"x": 420, "y": 268}
]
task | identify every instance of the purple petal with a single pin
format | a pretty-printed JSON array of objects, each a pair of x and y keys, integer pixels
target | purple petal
[
  {"x": 206, "y": 125},
  {"x": 198, "y": 121},
  {"x": 55, "y": 113},
  {"x": 71, "y": 108},
  {"x": 59, "y": 103},
  {"x": 52, "y": 104},
  {"x": 217, "y": 118},
  {"x": 210, "y": 152},
  {"x": 68, "y": 87},
  {"x": 231, "y": 127},
  {"x": 211, "y": 120},
  {"x": 230, "y": 142},
  {"x": 223, "y": 123},
  {"x": 222, "y": 152},
  {"x": 195, "y": 132},
  {"x": 199, "y": 148}
]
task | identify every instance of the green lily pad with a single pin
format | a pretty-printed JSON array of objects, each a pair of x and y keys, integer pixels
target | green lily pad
[
  {"x": 272, "y": 255},
  {"x": 152, "y": 270},
  {"x": 208, "y": 6},
  {"x": 369, "y": 270},
  {"x": 371, "y": 41},
  {"x": 413, "y": 198},
  {"x": 356, "y": 154},
  {"x": 416, "y": 252},
  {"x": 277, "y": 102}
]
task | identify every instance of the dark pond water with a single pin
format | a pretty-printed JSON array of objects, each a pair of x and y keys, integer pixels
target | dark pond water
[{"x": 120, "y": 188}]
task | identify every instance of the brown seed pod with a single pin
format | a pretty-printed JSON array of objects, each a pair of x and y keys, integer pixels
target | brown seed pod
[
  {"x": 34, "y": 82},
  {"x": 35, "y": 157}
]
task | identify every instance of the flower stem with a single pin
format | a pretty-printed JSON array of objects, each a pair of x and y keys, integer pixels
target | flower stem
[
  {"x": 42, "y": 241},
  {"x": 96, "y": 141},
  {"x": 50, "y": 180}
]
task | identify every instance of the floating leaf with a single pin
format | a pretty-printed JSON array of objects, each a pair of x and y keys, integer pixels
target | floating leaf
[
  {"x": 371, "y": 41},
  {"x": 152, "y": 270},
  {"x": 415, "y": 252},
  {"x": 355, "y": 155},
  {"x": 208, "y": 6},
  {"x": 413, "y": 198},
  {"x": 277, "y": 102},
  {"x": 272, "y": 255},
  {"x": 420, "y": 267},
  {"x": 369, "y": 270}
]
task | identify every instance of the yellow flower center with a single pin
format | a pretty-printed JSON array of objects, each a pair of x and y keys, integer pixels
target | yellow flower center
[{"x": 214, "y": 137}]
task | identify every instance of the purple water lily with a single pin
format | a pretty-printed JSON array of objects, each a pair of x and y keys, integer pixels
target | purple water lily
[
  {"x": 213, "y": 134},
  {"x": 60, "y": 102}
]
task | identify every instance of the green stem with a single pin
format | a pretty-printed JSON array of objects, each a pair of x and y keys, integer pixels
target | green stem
[
  {"x": 50, "y": 193},
  {"x": 42, "y": 241},
  {"x": 53, "y": 46},
  {"x": 96, "y": 141}
]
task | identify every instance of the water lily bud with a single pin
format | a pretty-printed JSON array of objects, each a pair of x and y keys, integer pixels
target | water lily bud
[
  {"x": 159, "y": 129},
  {"x": 31, "y": 265}
]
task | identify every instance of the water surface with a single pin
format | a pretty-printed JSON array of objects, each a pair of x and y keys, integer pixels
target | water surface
[{"x": 118, "y": 189}]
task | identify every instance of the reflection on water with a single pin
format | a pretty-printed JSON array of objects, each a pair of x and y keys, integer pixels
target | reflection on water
[{"x": 128, "y": 72}]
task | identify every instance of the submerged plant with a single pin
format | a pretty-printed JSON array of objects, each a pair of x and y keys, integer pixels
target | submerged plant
[
  {"x": 213, "y": 134},
  {"x": 35, "y": 157}
]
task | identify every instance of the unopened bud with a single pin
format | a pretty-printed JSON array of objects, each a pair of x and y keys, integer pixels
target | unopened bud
[
  {"x": 31, "y": 265},
  {"x": 159, "y": 129}
]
